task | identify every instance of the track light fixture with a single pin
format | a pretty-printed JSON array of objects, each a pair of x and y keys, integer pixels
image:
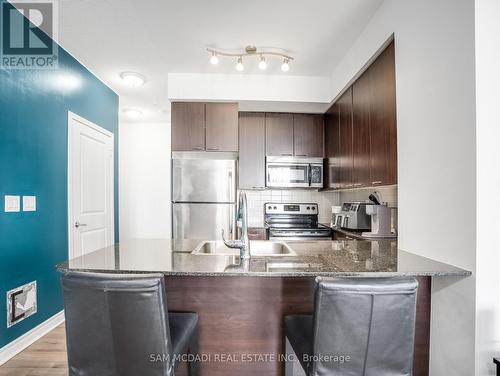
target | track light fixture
[{"x": 250, "y": 51}]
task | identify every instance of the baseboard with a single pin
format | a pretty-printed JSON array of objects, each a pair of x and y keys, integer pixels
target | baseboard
[{"x": 19, "y": 344}]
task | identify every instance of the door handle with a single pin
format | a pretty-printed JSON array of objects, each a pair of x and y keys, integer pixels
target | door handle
[{"x": 78, "y": 224}]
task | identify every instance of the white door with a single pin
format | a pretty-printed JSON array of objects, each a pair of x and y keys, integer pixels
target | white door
[{"x": 90, "y": 186}]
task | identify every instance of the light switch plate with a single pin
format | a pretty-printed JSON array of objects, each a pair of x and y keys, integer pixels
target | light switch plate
[
  {"x": 29, "y": 203},
  {"x": 12, "y": 204}
]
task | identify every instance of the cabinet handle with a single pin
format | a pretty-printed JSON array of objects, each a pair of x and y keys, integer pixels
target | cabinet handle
[
  {"x": 348, "y": 185},
  {"x": 212, "y": 148},
  {"x": 358, "y": 184},
  {"x": 258, "y": 187},
  {"x": 197, "y": 148},
  {"x": 286, "y": 155},
  {"x": 301, "y": 155},
  {"x": 376, "y": 182}
]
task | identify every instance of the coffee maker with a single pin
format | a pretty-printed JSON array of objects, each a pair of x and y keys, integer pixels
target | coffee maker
[{"x": 380, "y": 222}]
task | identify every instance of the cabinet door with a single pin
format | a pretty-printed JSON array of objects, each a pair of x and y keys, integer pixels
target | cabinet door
[
  {"x": 252, "y": 165},
  {"x": 361, "y": 97},
  {"x": 332, "y": 147},
  {"x": 308, "y": 135},
  {"x": 279, "y": 134},
  {"x": 346, "y": 156},
  {"x": 222, "y": 126},
  {"x": 383, "y": 119},
  {"x": 188, "y": 126}
]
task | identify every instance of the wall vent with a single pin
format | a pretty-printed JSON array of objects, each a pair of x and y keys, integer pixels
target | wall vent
[{"x": 21, "y": 303}]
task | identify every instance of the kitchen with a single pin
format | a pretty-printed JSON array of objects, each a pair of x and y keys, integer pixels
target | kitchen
[
  {"x": 244, "y": 183},
  {"x": 321, "y": 161}
]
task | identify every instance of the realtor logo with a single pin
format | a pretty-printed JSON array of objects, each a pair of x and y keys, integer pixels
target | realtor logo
[{"x": 28, "y": 29}]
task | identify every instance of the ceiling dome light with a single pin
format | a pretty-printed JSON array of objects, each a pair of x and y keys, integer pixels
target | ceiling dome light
[
  {"x": 262, "y": 63},
  {"x": 132, "y": 113},
  {"x": 133, "y": 79},
  {"x": 214, "y": 60},
  {"x": 285, "y": 67},
  {"x": 239, "y": 65}
]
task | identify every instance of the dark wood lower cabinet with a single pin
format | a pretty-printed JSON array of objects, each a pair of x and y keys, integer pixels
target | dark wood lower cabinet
[{"x": 244, "y": 315}]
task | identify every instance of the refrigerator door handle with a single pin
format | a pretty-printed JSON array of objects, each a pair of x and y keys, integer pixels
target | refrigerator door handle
[{"x": 230, "y": 185}]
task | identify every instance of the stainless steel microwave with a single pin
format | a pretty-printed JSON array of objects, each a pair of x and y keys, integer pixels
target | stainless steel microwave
[{"x": 294, "y": 172}]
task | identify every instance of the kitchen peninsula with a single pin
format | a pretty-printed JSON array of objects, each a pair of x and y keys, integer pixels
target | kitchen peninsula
[{"x": 241, "y": 304}]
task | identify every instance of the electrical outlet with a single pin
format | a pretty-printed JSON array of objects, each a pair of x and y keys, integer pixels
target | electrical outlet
[{"x": 21, "y": 303}]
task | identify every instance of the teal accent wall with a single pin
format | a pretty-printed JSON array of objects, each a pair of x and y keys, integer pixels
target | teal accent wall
[{"x": 34, "y": 107}]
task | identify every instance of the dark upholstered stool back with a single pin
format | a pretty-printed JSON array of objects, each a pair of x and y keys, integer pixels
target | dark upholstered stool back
[
  {"x": 371, "y": 320},
  {"x": 114, "y": 322}
]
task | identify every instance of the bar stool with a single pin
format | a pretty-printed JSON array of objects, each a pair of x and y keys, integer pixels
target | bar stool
[
  {"x": 118, "y": 324},
  {"x": 360, "y": 326}
]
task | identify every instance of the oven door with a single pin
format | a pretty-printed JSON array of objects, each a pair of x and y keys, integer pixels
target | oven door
[{"x": 287, "y": 175}]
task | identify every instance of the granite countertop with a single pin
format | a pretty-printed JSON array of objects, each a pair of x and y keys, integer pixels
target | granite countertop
[
  {"x": 357, "y": 234},
  {"x": 312, "y": 258}
]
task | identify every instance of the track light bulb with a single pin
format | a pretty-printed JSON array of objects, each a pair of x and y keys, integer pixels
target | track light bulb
[
  {"x": 285, "y": 67},
  {"x": 214, "y": 60},
  {"x": 239, "y": 65},
  {"x": 262, "y": 63}
]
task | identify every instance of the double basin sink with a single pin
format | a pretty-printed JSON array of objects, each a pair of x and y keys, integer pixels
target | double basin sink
[{"x": 257, "y": 248}]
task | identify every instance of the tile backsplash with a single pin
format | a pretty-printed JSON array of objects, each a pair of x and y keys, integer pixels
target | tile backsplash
[
  {"x": 388, "y": 194},
  {"x": 257, "y": 199},
  {"x": 324, "y": 199}
]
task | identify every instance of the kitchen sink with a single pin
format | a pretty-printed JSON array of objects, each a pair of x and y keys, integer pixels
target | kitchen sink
[
  {"x": 257, "y": 248},
  {"x": 267, "y": 248},
  {"x": 214, "y": 248}
]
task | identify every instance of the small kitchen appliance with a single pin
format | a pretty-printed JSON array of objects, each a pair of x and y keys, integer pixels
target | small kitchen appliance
[
  {"x": 380, "y": 222},
  {"x": 353, "y": 216},
  {"x": 294, "y": 222}
]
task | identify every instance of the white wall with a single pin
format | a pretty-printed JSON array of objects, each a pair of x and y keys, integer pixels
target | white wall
[
  {"x": 144, "y": 180},
  {"x": 258, "y": 92},
  {"x": 434, "y": 43},
  {"x": 488, "y": 185}
]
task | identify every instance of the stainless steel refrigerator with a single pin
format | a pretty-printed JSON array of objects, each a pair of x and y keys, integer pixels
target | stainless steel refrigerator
[{"x": 203, "y": 194}]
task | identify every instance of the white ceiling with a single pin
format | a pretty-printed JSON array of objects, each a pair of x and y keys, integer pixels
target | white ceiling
[{"x": 157, "y": 37}]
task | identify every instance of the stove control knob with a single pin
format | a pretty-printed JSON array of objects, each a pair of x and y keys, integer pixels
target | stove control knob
[
  {"x": 275, "y": 208},
  {"x": 313, "y": 208},
  {"x": 308, "y": 208},
  {"x": 269, "y": 207}
]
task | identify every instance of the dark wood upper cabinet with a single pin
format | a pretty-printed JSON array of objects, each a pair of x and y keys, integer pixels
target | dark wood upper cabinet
[
  {"x": 188, "y": 126},
  {"x": 252, "y": 163},
  {"x": 332, "y": 147},
  {"x": 383, "y": 137},
  {"x": 365, "y": 154},
  {"x": 308, "y": 135},
  {"x": 221, "y": 126},
  {"x": 346, "y": 140},
  {"x": 361, "y": 103},
  {"x": 279, "y": 134}
]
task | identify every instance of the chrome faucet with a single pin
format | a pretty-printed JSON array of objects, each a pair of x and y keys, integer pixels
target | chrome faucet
[{"x": 242, "y": 222}]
